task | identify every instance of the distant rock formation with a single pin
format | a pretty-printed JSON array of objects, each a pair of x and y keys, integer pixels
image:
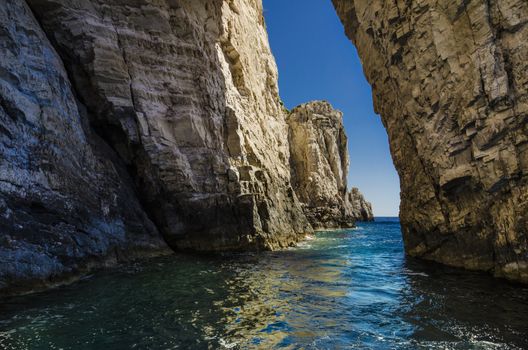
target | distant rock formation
[
  {"x": 319, "y": 167},
  {"x": 358, "y": 206},
  {"x": 450, "y": 82}
]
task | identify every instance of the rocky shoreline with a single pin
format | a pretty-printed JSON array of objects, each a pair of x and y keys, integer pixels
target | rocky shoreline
[{"x": 128, "y": 129}]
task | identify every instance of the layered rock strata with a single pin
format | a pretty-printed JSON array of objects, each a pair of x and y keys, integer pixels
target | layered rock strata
[
  {"x": 319, "y": 162},
  {"x": 449, "y": 80},
  {"x": 66, "y": 202},
  {"x": 165, "y": 122},
  {"x": 186, "y": 93}
]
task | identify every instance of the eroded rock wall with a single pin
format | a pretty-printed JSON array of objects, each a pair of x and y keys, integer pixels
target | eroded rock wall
[
  {"x": 186, "y": 92},
  {"x": 319, "y": 162},
  {"x": 358, "y": 206},
  {"x": 66, "y": 203},
  {"x": 449, "y": 80}
]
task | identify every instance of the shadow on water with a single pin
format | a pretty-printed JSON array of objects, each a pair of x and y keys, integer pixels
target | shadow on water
[
  {"x": 343, "y": 289},
  {"x": 473, "y": 308}
]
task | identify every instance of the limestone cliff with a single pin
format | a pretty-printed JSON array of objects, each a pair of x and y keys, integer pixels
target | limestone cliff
[
  {"x": 122, "y": 122},
  {"x": 319, "y": 162},
  {"x": 66, "y": 203},
  {"x": 186, "y": 92},
  {"x": 358, "y": 206},
  {"x": 449, "y": 80}
]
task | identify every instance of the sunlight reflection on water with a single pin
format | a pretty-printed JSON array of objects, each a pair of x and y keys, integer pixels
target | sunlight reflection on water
[{"x": 342, "y": 289}]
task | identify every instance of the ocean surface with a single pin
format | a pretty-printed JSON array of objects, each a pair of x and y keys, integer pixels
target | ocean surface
[{"x": 350, "y": 289}]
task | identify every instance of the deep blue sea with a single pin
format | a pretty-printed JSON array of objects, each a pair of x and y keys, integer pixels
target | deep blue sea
[{"x": 350, "y": 289}]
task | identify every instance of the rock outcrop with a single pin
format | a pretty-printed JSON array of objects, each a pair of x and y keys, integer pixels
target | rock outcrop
[
  {"x": 66, "y": 202},
  {"x": 449, "y": 80},
  {"x": 319, "y": 162},
  {"x": 186, "y": 93},
  {"x": 359, "y": 208}
]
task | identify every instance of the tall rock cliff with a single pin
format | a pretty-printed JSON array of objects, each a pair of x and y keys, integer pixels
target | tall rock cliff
[
  {"x": 358, "y": 206},
  {"x": 319, "y": 162},
  {"x": 186, "y": 93},
  {"x": 449, "y": 80},
  {"x": 127, "y": 125},
  {"x": 66, "y": 203}
]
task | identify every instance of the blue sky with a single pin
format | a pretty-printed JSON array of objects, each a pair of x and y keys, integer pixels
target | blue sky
[{"x": 317, "y": 62}]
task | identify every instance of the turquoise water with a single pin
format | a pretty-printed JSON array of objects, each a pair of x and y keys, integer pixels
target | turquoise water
[{"x": 349, "y": 289}]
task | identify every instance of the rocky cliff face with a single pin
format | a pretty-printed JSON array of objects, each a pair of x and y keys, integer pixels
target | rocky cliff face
[
  {"x": 319, "y": 163},
  {"x": 129, "y": 125},
  {"x": 358, "y": 207},
  {"x": 449, "y": 80},
  {"x": 186, "y": 93},
  {"x": 66, "y": 202},
  {"x": 136, "y": 121}
]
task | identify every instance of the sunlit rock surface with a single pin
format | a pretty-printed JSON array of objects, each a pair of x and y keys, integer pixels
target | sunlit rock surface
[
  {"x": 319, "y": 162},
  {"x": 450, "y": 81},
  {"x": 186, "y": 92},
  {"x": 358, "y": 206},
  {"x": 66, "y": 202}
]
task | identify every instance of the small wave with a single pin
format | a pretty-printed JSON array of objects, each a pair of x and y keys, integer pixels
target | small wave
[
  {"x": 483, "y": 344},
  {"x": 227, "y": 345},
  {"x": 302, "y": 246},
  {"x": 410, "y": 273}
]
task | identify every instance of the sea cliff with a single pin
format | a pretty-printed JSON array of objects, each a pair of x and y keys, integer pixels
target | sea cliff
[
  {"x": 132, "y": 129},
  {"x": 449, "y": 81}
]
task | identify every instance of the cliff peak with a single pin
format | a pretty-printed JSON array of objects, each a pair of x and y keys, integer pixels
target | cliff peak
[{"x": 319, "y": 166}]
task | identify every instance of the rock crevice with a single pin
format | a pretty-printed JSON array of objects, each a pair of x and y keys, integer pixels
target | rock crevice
[{"x": 67, "y": 204}]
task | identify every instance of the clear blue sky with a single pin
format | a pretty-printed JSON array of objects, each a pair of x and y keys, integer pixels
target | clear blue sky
[{"x": 317, "y": 62}]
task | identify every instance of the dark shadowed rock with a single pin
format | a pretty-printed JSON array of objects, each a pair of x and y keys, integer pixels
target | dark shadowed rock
[{"x": 66, "y": 203}]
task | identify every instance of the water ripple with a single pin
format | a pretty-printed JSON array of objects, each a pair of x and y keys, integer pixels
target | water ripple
[{"x": 339, "y": 290}]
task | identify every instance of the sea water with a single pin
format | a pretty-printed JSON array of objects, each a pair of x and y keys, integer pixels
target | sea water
[{"x": 347, "y": 289}]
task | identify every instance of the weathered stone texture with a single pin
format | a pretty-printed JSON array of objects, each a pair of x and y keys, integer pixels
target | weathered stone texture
[
  {"x": 449, "y": 80},
  {"x": 319, "y": 163},
  {"x": 133, "y": 124},
  {"x": 66, "y": 204},
  {"x": 186, "y": 92},
  {"x": 358, "y": 207}
]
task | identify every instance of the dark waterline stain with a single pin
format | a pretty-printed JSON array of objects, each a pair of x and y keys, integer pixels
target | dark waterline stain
[{"x": 343, "y": 289}]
